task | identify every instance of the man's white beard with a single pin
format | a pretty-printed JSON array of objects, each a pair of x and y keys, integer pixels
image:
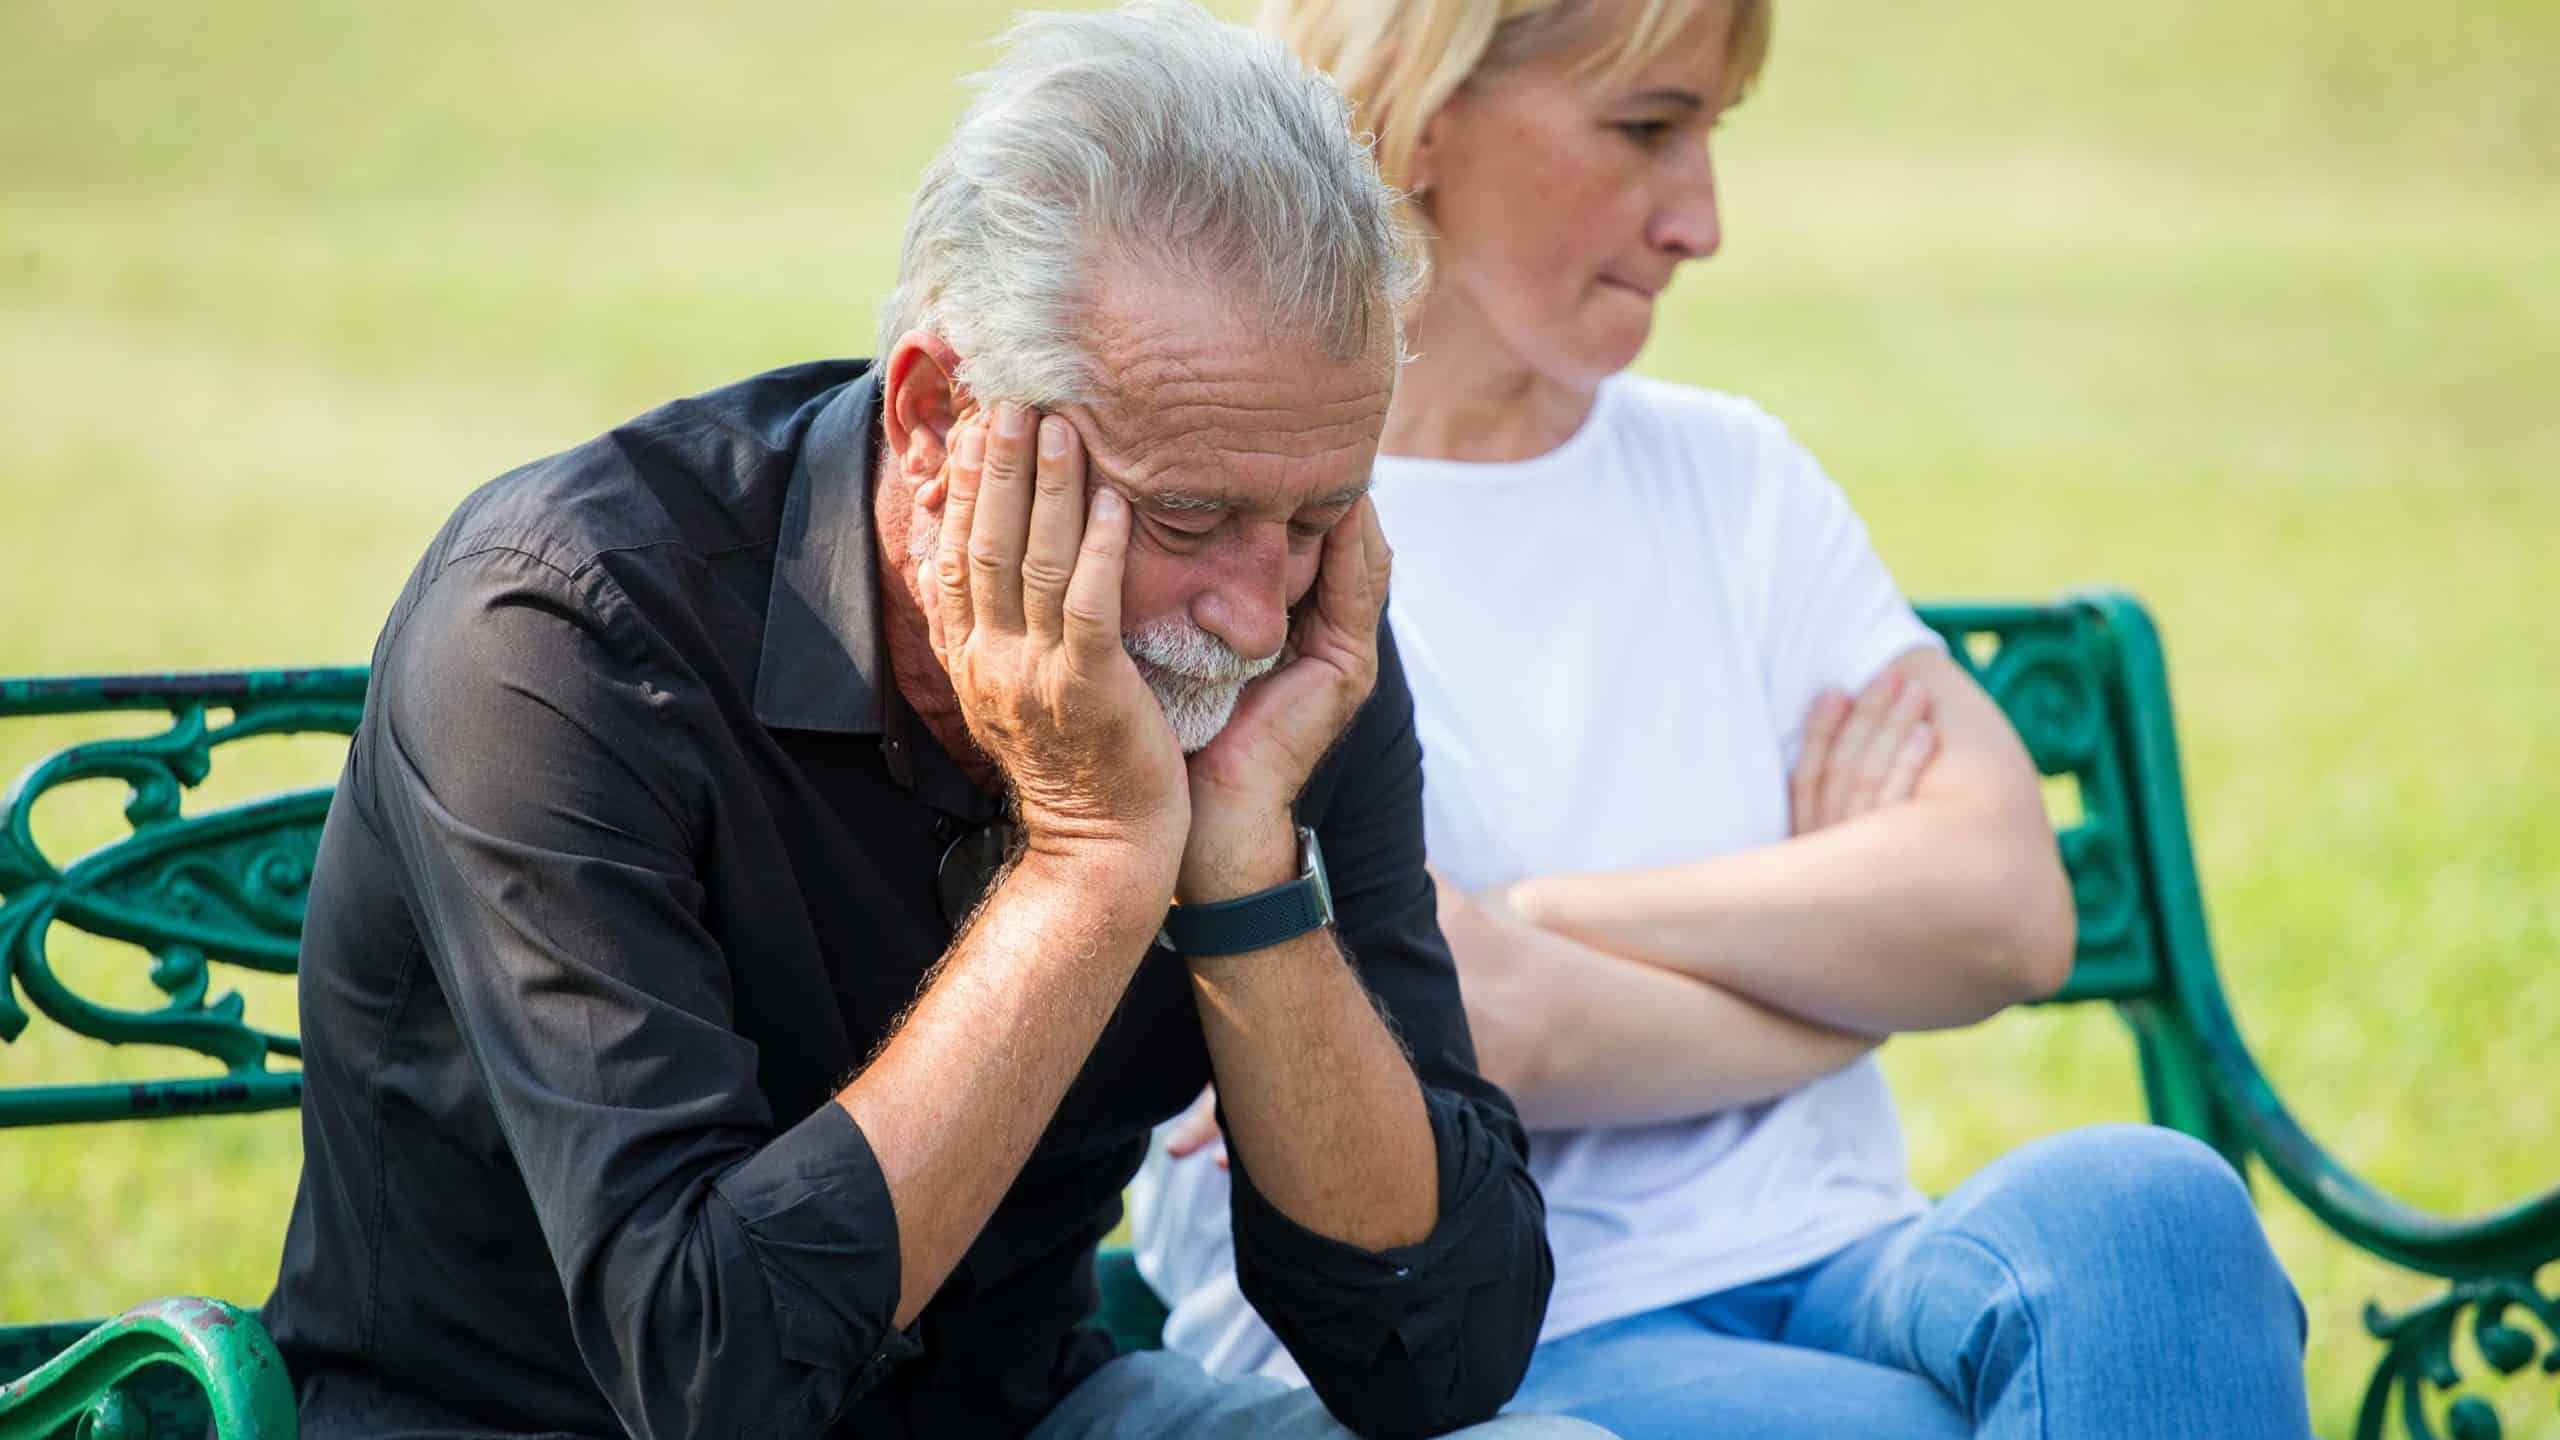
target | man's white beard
[{"x": 1195, "y": 676}]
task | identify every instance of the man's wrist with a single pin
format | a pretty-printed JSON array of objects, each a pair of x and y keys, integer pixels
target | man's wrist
[
  {"x": 1229, "y": 861},
  {"x": 1105, "y": 872}
]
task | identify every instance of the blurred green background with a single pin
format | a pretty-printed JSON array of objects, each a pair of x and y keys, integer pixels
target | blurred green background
[{"x": 2252, "y": 306}]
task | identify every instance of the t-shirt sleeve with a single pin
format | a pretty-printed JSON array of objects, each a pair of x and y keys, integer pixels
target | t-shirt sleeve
[{"x": 1825, "y": 609}]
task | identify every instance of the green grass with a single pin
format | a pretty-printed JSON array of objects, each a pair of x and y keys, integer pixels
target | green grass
[{"x": 2251, "y": 306}]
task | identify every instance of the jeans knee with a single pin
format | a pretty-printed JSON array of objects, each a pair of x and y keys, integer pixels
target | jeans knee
[
  {"x": 2108, "y": 1176},
  {"x": 2140, "y": 1206}
]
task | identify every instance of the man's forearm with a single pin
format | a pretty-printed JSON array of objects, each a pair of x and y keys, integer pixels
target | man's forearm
[
  {"x": 1322, "y": 1106},
  {"x": 1578, "y": 1037},
  {"x": 1925, "y": 915},
  {"x": 955, "y": 1101}
]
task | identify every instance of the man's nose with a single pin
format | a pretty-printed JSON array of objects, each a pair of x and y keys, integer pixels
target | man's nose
[
  {"x": 1687, "y": 222},
  {"x": 1246, "y": 602}
]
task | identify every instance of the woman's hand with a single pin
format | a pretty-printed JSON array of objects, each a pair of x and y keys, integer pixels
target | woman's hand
[
  {"x": 1196, "y": 1129},
  {"x": 1861, "y": 756}
]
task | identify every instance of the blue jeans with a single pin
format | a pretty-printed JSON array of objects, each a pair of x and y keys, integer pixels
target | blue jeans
[
  {"x": 1159, "y": 1395},
  {"x": 2107, "y": 1282}
]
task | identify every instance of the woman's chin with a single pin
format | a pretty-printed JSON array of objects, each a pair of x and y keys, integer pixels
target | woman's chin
[{"x": 1603, "y": 352}]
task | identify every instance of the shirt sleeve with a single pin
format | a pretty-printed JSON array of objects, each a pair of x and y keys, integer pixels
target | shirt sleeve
[
  {"x": 539, "y": 777},
  {"x": 1433, "y": 1336},
  {"x": 1828, "y": 612}
]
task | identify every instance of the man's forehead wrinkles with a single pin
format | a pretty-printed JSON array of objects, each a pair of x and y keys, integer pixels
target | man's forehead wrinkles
[
  {"x": 1201, "y": 426},
  {"x": 1208, "y": 406}
]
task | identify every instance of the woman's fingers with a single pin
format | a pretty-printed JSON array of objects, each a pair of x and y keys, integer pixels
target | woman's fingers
[
  {"x": 1813, "y": 764},
  {"x": 1840, "y": 786},
  {"x": 1918, "y": 748},
  {"x": 1057, "y": 528},
  {"x": 1195, "y": 1127},
  {"x": 1873, "y": 764}
]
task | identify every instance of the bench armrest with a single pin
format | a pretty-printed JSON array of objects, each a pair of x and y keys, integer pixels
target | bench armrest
[
  {"x": 2195, "y": 1018},
  {"x": 222, "y": 1348}
]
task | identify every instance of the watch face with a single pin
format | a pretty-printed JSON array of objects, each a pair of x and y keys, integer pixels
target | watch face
[{"x": 1314, "y": 870}]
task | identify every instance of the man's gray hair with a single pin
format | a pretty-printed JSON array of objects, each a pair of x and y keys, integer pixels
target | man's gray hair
[{"x": 1155, "y": 137}]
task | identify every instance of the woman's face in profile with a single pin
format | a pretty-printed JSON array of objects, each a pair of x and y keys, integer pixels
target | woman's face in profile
[{"x": 1563, "y": 203}]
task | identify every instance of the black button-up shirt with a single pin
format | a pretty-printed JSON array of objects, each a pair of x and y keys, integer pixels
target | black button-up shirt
[{"x": 631, "y": 866}]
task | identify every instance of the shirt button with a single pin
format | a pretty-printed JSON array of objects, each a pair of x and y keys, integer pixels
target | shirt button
[{"x": 1404, "y": 1272}]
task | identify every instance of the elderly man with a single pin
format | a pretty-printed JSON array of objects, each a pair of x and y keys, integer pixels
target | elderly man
[{"x": 802, "y": 840}]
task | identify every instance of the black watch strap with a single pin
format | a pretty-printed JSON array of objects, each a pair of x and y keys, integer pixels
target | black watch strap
[{"x": 1260, "y": 920}]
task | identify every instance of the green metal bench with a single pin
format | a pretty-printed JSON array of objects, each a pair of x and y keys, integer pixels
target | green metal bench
[{"x": 2083, "y": 681}]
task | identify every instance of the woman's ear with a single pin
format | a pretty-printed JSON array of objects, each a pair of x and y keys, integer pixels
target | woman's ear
[
  {"x": 921, "y": 398},
  {"x": 1423, "y": 168}
]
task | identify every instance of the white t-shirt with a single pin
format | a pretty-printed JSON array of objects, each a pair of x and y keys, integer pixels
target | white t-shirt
[{"x": 1612, "y": 649}]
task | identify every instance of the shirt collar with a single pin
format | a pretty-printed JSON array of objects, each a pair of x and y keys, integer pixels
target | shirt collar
[{"x": 823, "y": 666}]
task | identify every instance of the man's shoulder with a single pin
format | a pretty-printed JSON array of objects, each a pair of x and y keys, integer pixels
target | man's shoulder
[{"x": 701, "y": 475}]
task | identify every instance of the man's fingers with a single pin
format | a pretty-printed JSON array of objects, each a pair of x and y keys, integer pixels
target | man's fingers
[
  {"x": 1092, "y": 609},
  {"x": 1804, "y": 787},
  {"x": 928, "y": 587},
  {"x": 1057, "y": 528},
  {"x": 1840, "y": 786},
  {"x": 1918, "y": 748},
  {"x": 1381, "y": 557},
  {"x": 950, "y": 562},
  {"x": 1002, "y": 520},
  {"x": 1351, "y": 573}
]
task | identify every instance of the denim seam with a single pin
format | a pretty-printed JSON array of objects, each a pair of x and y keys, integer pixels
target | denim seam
[{"x": 2026, "y": 1307}]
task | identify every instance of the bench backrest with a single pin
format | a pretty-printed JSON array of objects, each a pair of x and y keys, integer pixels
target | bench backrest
[{"x": 2080, "y": 679}]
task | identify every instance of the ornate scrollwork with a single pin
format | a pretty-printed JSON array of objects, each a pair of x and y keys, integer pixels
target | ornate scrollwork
[
  {"x": 2103, "y": 887},
  {"x": 2044, "y": 684},
  {"x": 226, "y": 886},
  {"x": 2419, "y": 1355}
]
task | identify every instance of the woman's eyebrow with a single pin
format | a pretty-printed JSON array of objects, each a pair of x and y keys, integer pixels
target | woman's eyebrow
[{"x": 1684, "y": 99}]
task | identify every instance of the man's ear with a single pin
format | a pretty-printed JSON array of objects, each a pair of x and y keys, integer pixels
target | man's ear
[{"x": 920, "y": 400}]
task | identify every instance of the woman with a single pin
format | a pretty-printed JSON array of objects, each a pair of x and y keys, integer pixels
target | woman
[{"x": 1689, "y": 885}]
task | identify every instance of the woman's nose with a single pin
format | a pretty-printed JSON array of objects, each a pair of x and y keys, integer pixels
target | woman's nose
[{"x": 1687, "y": 223}]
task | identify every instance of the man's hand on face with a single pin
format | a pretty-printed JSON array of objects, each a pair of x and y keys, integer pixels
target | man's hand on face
[
  {"x": 1023, "y": 607},
  {"x": 1244, "y": 783}
]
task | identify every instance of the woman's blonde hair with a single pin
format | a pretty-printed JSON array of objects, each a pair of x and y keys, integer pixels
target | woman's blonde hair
[{"x": 1399, "y": 61}]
